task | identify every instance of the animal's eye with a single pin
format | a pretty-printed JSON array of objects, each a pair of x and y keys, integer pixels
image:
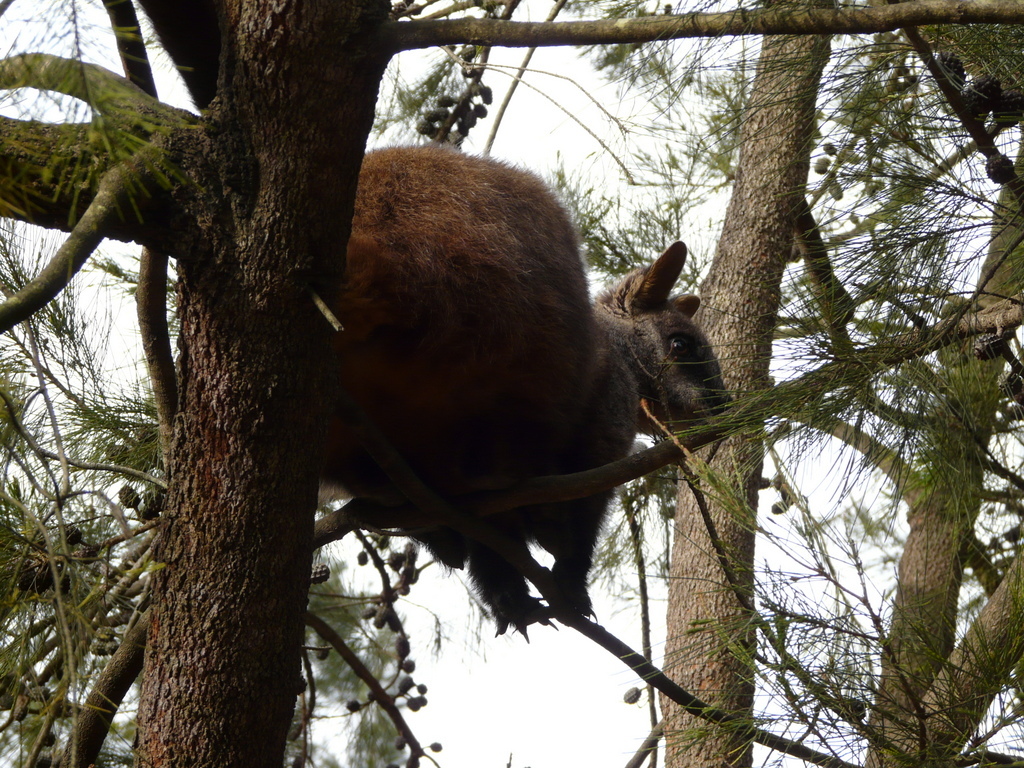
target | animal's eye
[{"x": 681, "y": 347}]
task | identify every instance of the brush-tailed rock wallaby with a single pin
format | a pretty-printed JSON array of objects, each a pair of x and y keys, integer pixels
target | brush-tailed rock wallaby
[{"x": 471, "y": 341}]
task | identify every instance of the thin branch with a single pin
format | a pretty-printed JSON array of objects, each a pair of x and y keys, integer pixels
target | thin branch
[
  {"x": 975, "y": 671},
  {"x": 983, "y": 140},
  {"x": 111, "y": 203},
  {"x": 151, "y": 291},
  {"x": 64, "y": 489},
  {"x": 787, "y": 20},
  {"x": 360, "y": 512},
  {"x": 151, "y": 307},
  {"x": 837, "y": 306},
  {"x": 876, "y": 453},
  {"x": 326, "y": 311},
  {"x": 131, "y": 48},
  {"x": 694, "y": 706},
  {"x": 637, "y": 540},
  {"x": 381, "y": 696},
  {"x": 649, "y": 746},
  {"x": 517, "y": 78},
  {"x": 555, "y": 10}
]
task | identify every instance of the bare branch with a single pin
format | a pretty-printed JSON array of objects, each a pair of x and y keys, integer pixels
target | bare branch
[
  {"x": 787, "y": 20},
  {"x": 151, "y": 307},
  {"x": 151, "y": 292},
  {"x": 130, "y": 45},
  {"x": 516, "y": 79},
  {"x": 111, "y": 686},
  {"x": 837, "y": 306},
  {"x": 648, "y": 747}
]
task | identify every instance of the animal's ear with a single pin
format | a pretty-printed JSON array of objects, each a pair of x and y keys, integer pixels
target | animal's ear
[
  {"x": 660, "y": 278},
  {"x": 687, "y": 303}
]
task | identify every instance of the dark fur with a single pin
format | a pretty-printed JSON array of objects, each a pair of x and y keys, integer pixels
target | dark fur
[{"x": 471, "y": 342}]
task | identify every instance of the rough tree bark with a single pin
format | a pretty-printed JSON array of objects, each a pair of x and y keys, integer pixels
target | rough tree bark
[
  {"x": 266, "y": 219},
  {"x": 709, "y": 637}
]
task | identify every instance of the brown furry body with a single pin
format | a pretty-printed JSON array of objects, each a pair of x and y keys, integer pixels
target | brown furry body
[{"x": 470, "y": 340}]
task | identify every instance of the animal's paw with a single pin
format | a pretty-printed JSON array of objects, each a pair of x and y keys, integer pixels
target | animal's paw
[
  {"x": 527, "y": 611},
  {"x": 577, "y": 598}
]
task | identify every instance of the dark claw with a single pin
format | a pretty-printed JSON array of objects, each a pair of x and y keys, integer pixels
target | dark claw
[{"x": 536, "y": 613}]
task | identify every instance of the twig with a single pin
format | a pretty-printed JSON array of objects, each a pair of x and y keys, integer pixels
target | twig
[
  {"x": 517, "y": 78},
  {"x": 741, "y": 592},
  {"x": 837, "y": 305},
  {"x": 636, "y": 537},
  {"x": 984, "y": 141},
  {"x": 65, "y": 484},
  {"x": 151, "y": 291},
  {"x": 326, "y": 311}
]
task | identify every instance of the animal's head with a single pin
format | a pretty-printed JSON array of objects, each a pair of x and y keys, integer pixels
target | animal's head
[{"x": 675, "y": 367}]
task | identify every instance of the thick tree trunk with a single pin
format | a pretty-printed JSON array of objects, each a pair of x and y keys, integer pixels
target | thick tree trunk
[
  {"x": 709, "y": 637},
  {"x": 272, "y": 210}
]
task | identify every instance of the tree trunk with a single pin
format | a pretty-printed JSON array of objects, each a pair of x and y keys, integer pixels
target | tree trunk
[
  {"x": 710, "y": 640},
  {"x": 271, "y": 211},
  {"x": 916, "y": 721}
]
